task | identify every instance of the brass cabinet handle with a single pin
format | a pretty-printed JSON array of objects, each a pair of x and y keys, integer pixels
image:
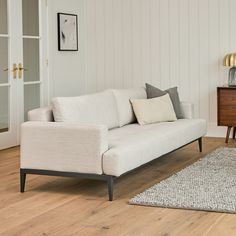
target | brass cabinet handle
[
  {"x": 5, "y": 69},
  {"x": 21, "y": 68}
]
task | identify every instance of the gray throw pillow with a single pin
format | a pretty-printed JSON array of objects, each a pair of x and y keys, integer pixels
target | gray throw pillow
[{"x": 153, "y": 92}]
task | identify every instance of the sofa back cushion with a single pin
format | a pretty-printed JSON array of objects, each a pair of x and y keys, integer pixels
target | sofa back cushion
[
  {"x": 124, "y": 107},
  {"x": 98, "y": 108}
]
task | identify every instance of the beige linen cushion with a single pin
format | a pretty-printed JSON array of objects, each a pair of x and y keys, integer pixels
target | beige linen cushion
[{"x": 153, "y": 110}]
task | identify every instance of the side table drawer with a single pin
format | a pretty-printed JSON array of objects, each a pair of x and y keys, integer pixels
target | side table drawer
[
  {"x": 227, "y": 98},
  {"x": 226, "y": 109},
  {"x": 227, "y": 116}
]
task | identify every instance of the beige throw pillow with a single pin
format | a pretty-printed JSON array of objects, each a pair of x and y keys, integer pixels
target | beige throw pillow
[{"x": 153, "y": 110}]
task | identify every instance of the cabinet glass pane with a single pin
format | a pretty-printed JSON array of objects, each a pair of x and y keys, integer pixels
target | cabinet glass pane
[
  {"x": 31, "y": 98},
  {"x": 31, "y": 59},
  {"x": 3, "y": 17},
  {"x": 4, "y": 106},
  {"x": 30, "y": 17},
  {"x": 3, "y": 60}
]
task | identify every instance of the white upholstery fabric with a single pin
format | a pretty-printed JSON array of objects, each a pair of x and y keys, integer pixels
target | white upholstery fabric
[
  {"x": 125, "y": 110},
  {"x": 41, "y": 114},
  {"x": 80, "y": 143},
  {"x": 148, "y": 111},
  {"x": 134, "y": 145},
  {"x": 187, "y": 110},
  {"x": 63, "y": 146},
  {"x": 99, "y": 108},
  {"x": 46, "y": 114}
]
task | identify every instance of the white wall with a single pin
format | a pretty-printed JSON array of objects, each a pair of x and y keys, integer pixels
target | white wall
[
  {"x": 66, "y": 69},
  {"x": 126, "y": 43}
]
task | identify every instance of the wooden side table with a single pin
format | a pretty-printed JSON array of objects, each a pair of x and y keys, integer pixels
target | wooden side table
[{"x": 226, "y": 108}]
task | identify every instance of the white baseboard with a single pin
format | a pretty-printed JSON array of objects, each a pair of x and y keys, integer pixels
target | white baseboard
[{"x": 216, "y": 131}]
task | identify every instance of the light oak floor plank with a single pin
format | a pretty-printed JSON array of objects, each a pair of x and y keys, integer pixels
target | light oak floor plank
[{"x": 66, "y": 206}]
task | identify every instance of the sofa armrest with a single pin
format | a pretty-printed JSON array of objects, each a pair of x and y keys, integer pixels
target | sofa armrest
[
  {"x": 188, "y": 110},
  {"x": 41, "y": 114},
  {"x": 61, "y": 146}
]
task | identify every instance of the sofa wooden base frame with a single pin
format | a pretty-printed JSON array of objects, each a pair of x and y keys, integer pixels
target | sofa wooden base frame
[{"x": 108, "y": 178}]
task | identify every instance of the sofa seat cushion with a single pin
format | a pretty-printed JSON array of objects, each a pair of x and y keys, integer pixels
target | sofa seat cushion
[
  {"x": 96, "y": 109},
  {"x": 133, "y": 145}
]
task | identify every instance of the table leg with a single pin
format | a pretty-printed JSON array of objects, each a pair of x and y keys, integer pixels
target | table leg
[
  {"x": 228, "y": 133},
  {"x": 234, "y": 132}
]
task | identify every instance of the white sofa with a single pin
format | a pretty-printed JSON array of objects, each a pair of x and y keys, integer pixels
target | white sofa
[{"x": 96, "y": 136}]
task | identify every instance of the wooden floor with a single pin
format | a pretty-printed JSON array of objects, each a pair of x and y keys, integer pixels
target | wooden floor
[{"x": 65, "y": 206}]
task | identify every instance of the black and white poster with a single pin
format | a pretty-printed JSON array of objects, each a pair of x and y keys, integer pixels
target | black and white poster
[{"x": 67, "y": 32}]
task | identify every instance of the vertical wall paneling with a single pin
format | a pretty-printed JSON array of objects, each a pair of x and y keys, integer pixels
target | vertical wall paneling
[
  {"x": 99, "y": 44},
  {"x": 136, "y": 42},
  {"x": 125, "y": 43},
  {"x": 91, "y": 77},
  {"x": 145, "y": 41},
  {"x": 232, "y": 7},
  {"x": 67, "y": 69},
  {"x": 224, "y": 37},
  {"x": 174, "y": 42},
  {"x": 118, "y": 44},
  {"x": 193, "y": 54},
  {"x": 214, "y": 58},
  {"x": 155, "y": 42},
  {"x": 184, "y": 81},
  {"x": 164, "y": 43},
  {"x": 109, "y": 44},
  {"x": 127, "y": 38},
  {"x": 204, "y": 59}
]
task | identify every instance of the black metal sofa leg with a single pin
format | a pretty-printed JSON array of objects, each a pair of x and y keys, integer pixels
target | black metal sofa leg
[
  {"x": 200, "y": 144},
  {"x": 22, "y": 181},
  {"x": 110, "y": 183}
]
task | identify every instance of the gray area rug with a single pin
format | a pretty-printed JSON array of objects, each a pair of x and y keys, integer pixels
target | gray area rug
[{"x": 209, "y": 184}]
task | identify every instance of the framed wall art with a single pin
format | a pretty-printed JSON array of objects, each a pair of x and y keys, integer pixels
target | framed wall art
[{"x": 67, "y": 32}]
